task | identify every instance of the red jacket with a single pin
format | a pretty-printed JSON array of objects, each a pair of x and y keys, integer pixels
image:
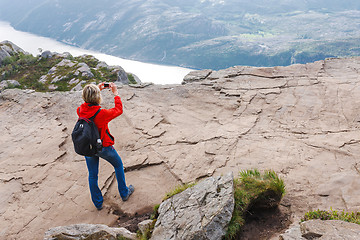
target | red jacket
[{"x": 87, "y": 110}]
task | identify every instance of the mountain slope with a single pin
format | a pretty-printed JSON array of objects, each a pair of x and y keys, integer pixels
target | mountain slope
[{"x": 200, "y": 34}]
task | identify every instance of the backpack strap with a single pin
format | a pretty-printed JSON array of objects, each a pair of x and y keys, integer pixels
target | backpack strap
[{"x": 93, "y": 117}]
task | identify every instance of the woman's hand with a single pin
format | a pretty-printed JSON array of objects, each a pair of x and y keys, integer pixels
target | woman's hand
[
  {"x": 101, "y": 86},
  {"x": 114, "y": 89}
]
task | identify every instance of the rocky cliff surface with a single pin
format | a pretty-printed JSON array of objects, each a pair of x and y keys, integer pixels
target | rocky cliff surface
[{"x": 301, "y": 121}]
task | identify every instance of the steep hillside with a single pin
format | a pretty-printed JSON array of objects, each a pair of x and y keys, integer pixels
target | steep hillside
[
  {"x": 53, "y": 71},
  {"x": 302, "y": 121},
  {"x": 213, "y": 34}
]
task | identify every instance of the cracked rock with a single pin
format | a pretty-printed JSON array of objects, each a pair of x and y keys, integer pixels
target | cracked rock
[{"x": 200, "y": 212}]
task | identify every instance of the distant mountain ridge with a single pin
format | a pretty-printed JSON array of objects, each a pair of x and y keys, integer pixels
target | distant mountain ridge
[{"x": 211, "y": 34}]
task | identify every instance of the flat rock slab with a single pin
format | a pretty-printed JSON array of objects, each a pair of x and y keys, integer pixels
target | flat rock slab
[
  {"x": 330, "y": 229},
  {"x": 87, "y": 231}
]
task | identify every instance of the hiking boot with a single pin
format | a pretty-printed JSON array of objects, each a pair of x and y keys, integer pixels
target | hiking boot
[{"x": 131, "y": 190}]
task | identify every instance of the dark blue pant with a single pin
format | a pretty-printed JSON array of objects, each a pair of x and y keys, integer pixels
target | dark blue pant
[{"x": 110, "y": 155}]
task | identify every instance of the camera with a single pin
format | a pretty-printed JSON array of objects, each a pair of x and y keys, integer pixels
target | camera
[{"x": 106, "y": 85}]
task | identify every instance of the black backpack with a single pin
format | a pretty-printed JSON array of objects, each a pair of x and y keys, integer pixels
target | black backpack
[{"x": 86, "y": 137}]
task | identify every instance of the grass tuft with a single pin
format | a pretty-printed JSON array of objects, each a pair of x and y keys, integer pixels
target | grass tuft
[
  {"x": 253, "y": 190},
  {"x": 178, "y": 189},
  {"x": 353, "y": 217}
]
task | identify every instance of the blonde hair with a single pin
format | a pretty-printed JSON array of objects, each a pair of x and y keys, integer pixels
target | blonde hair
[{"x": 91, "y": 94}]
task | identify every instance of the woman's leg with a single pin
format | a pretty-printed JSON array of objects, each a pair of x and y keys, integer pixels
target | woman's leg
[
  {"x": 93, "y": 168},
  {"x": 110, "y": 155}
]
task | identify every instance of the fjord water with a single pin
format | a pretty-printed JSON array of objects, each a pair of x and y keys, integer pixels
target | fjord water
[{"x": 147, "y": 72}]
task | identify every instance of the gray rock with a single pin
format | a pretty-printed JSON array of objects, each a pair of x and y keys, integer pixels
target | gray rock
[
  {"x": 4, "y": 52},
  {"x": 43, "y": 79},
  {"x": 52, "y": 87},
  {"x": 64, "y": 55},
  {"x": 141, "y": 85},
  {"x": 102, "y": 65},
  {"x": 121, "y": 74},
  {"x": 85, "y": 70},
  {"x": 66, "y": 62},
  {"x": 201, "y": 212},
  {"x": 57, "y": 78},
  {"x": 196, "y": 76},
  {"x": 7, "y": 83},
  {"x": 47, "y": 54},
  {"x": 137, "y": 79},
  {"x": 87, "y": 231},
  {"x": 52, "y": 70},
  {"x": 78, "y": 87},
  {"x": 13, "y": 47},
  {"x": 144, "y": 225},
  {"x": 330, "y": 229},
  {"x": 74, "y": 80},
  {"x": 8, "y": 49},
  {"x": 292, "y": 233}
]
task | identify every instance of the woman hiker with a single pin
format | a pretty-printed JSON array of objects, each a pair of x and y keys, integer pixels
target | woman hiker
[{"x": 92, "y": 97}]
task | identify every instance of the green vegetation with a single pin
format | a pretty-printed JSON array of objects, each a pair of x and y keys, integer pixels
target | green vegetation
[
  {"x": 178, "y": 189},
  {"x": 353, "y": 217},
  {"x": 253, "y": 190},
  {"x": 28, "y": 70},
  {"x": 11, "y": 86},
  {"x": 131, "y": 78},
  {"x": 122, "y": 238},
  {"x": 91, "y": 61}
]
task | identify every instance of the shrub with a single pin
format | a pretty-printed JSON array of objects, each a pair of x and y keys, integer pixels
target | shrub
[
  {"x": 253, "y": 190},
  {"x": 131, "y": 78},
  {"x": 90, "y": 60},
  {"x": 353, "y": 217}
]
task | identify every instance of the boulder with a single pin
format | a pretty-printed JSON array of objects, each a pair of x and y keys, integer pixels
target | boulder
[
  {"x": 121, "y": 74},
  {"x": 85, "y": 70},
  {"x": 102, "y": 65},
  {"x": 66, "y": 63},
  {"x": 196, "y": 76},
  {"x": 144, "y": 226},
  {"x": 87, "y": 231},
  {"x": 47, "y": 54},
  {"x": 7, "y": 83},
  {"x": 78, "y": 87},
  {"x": 200, "y": 212},
  {"x": 64, "y": 55},
  {"x": 8, "y": 49}
]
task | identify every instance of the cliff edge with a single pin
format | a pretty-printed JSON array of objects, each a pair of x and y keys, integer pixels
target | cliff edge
[{"x": 302, "y": 121}]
